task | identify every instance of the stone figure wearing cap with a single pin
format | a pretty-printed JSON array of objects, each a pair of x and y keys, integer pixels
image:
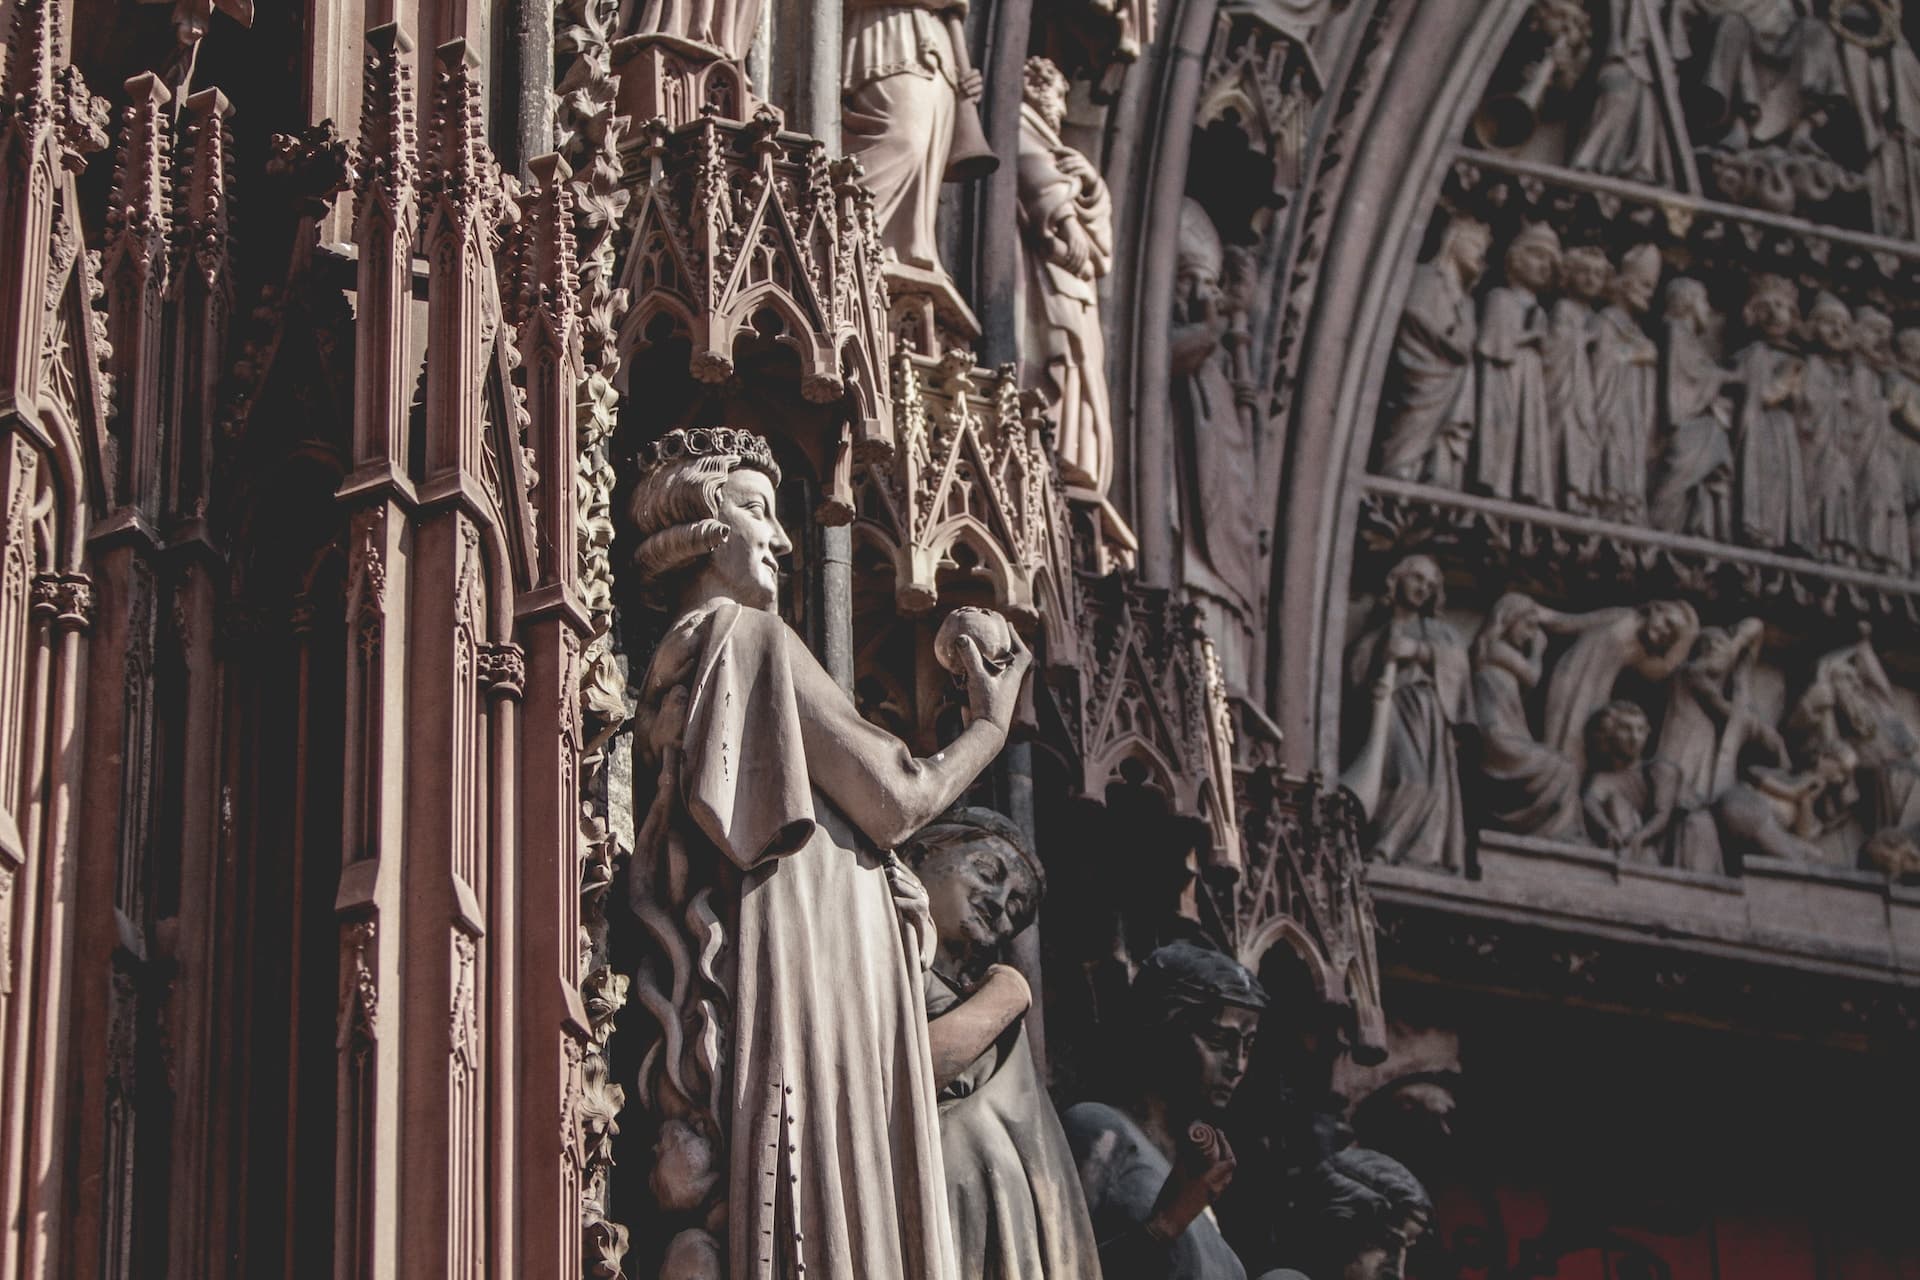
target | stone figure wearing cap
[
  {"x": 1153, "y": 1166},
  {"x": 766, "y": 844},
  {"x": 1515, "y": 453}
]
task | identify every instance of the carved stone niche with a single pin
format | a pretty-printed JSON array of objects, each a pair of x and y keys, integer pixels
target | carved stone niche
[
  {"x": 751, "y": 250},
  {"x": 669, "y": 77},
  {"x": 1097, "y": 39},
  {"x": 1257, "y": 97}
]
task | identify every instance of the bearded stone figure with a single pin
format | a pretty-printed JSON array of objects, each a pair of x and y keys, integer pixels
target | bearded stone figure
[
  {"x": 1154, "y": 1164},
  {"x": 1515, "y": 451},
  {"x": 1770, "y": 483},
  {"x": 1012, "y": 1191},
  {"x": 1694, "y": 492},
  {"x": 764, "y": 843},
  {"x": 1066, "y": 220},
  {"x": 1419, "y": 818},
  {"x": 903, "y": 78},
  {"x": 1431, "y": 398},
  {"x": 1217, "y": 454}
]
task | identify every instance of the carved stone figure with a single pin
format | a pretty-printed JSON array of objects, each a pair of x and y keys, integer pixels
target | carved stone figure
[
  {"x": 726, "y": 25},
  {"x": 1152, "y": 1166},
  {"x": 1770, "y": 486},
  {"x": 1876, "y": 457},
  {"x": 904, "y": 76},
  {"x": 1628, "y": 800},
  {"x": 1066, "y": 220},
  {"x": 1709, "y": 724},
  {"x": 1849, "y": 713},
  {"x": 1829, "y": 428},
  {"x": 1011, "y": 1186},
  {"x": 1431, "y": 397},
  {"x": 1218, "y": 496},
  {"x": 1514, "y": 453},
  {"x": 1626, "y": 384},
  {"x": 1882, "y": 80},
  {"x": 1366, "y": 1211},
  {"x": 1766, "y": 70},
  {"x": 764, "y": 840},
  {"x": 1584, "y": 276},
  {"x": 1652, "y": 639},
  {"x": 1419, "y": 818},
  {"x": 1694, "y": 490},
  {"x": 1625, "y": 136},
  {"x": 1529, "y": 788},
  {"x": 1903, "y": 404}
]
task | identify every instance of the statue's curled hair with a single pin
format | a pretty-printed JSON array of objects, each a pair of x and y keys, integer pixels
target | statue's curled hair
[{"x": 675, "y": 506}]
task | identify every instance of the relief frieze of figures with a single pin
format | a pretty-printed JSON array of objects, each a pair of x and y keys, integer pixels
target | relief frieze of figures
[{"x": 1638, "y": 730}]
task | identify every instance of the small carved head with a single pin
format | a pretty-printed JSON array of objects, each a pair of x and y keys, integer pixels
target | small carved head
[
  {"x": 1202, "y": 1009},
  {"x": 1638, "y": 278},
  {"x": 1687, "y": 303},
  {"x": 1773, "y": 306},
  {"x": 704, "y": 508},
  {"x": 1908, "y": 344},
  {"x": 1415, "y": 585},
  {"x": 1045, "y": 90},
  {"x": 983, "y": 882},
  {"x": 1515, "y": 618},
  {"x": 1464, "y": 245},
  {"x": 1619, "y": 735},
  {"x": 1663, "y": 622},
  {"x": 1873, "y": 334},
  {"x": 1831, "y": 324},
  {"x": 1369, "y": 1211},
  {"x": 1585, "y": 272},
  {"x": 1534, "y": 256},
  {"x": 1201, "y": 256}
]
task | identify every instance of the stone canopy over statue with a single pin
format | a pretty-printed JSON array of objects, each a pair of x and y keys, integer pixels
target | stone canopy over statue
[{"x": 766, "y": 842}]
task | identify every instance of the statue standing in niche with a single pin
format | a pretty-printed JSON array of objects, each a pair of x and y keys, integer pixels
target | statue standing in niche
[
  {"x": 1876, "y": 460},
  {"x": 1625, "y": 136},
  {"x": 1770, "y": 486},
  {"x": 765, "y": 841},
  {"x": 1514, "y": 445},
  {"x": 1217, "y": 437},
  {"x": 1629, "y": 800},
  {"x": 726, "y": 25},
  {"x": 1530, "y": 788},
  {"x": 1066, "y": 220},
  {"x": 1766, "y": 71},
  {"x": 1584, "y": 276},
  {"x": 1694, "y": 494},
  {"x": 1829, "y": 428},
  {"x": 1626, "y": 384},
  {"x": 1419, "y": 818},
  {"x": 1431, "y": 397},
  {"x": 1153, "y": 1166},
  {"x": 1882, "y": 79},
  {"x": 1653, "y": 640},
  {"x": 1903, "y": 404},
  {"x": 905, "y": 79},
  {"x": 1012, "y": 1190},
  {"x": 1367, "y": 1211}
]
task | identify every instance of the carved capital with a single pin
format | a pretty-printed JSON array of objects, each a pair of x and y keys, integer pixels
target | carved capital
[
  {"x": 503, "y": 670},
  {"x": 67, "y": 598}
]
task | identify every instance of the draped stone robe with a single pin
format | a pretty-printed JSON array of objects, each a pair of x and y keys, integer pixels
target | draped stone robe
[
  {"x": 1515, "y": 448},
  {"x": 1420, "y": 817},
  {"x": 835, "y": 1157}
]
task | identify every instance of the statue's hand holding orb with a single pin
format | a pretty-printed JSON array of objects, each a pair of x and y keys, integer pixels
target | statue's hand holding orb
[{"x": 983, "y": 649}]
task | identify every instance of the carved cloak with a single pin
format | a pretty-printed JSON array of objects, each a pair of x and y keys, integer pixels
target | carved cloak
[
  {"x": 1770, "y": 485},
  {"x": 834, "y": 1135},
  {"x": 1420, "y": 817},
  {"x": 1625, "y": 392},
  {"x": 1015, "y": 1199},
  {"x": 1431, "y": 388},
  {"x": 1696, "y": 467},
  {"x": 1122, "y": 1173},
  {"x": 1515, "y": 452},
  {"x": 1569, "y": 374}
]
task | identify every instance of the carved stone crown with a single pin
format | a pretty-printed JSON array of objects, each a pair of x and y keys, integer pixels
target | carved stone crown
[{"x": 684, "y": 444}]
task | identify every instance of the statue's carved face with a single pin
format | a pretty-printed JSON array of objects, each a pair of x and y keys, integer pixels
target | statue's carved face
[
  {"x": 1586, "y": 275},
  {"x": 979, "y": 893},
  {"x": 1218, "y": 1048},
  {"x": 1469, "y": 253},
  {"x": 1623, "y": 736},
  {"x": 1909, "y": 344},
  {"x": 1873, "y": 333},
  {"x": 1532, "y": 266},
  {"x": 1661, "y": 625},
  {"x": 1385, "y": 1258},
  {"x": 1524, "y": 628},
  {"x": 1833, "y": 329},
  {"x": 1635, "y": 291},
  {"x": 1773, "y": 315},
  {"x": 1198, "y": 284},
  {"x": 748, "y": 562},
  {"x": 1417, "y": 585}
]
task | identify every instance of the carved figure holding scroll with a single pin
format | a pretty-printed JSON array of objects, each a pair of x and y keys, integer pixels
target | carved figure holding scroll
[
  {"x": 1514, "y": 449},
  {"x": 1829, "y": 425},
  {"x": 1770, "y": 483},
  {"x": 1012, "y": 1189},
  {"x": 1585, "y": 275},
  {"x": 1430, "y": 397},
  {"x": 1626, "y": 384},
  {"x": 1066, "y": 221},
  {"x": 906, "y": 86},
  {"x": 1694, "y": 492},
  {"x": 1529, "y": 787},
  {"x": 766, "y": 842},
  {"x": 1153, "y": 1166},
  {"x": 1629, "y": 800},
  {"x": 1420, "y": 817}
]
